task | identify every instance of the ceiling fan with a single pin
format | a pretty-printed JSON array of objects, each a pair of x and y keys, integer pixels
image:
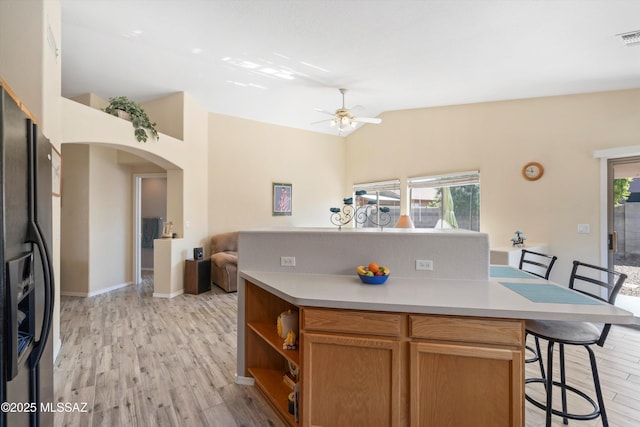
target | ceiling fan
[{"x": 343, "y": 117}]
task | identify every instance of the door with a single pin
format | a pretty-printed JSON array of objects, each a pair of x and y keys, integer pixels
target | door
[
  {"x": 150, "y": 213},
  {"x": 460, "y": 385},
  {"x": 350, "y": 381},
  {"x": 623, "y": 223}
]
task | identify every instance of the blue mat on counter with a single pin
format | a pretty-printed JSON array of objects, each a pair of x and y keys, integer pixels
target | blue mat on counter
[
  {"x": 547, "y": 293},
  {"x": 508, "y": 272}
]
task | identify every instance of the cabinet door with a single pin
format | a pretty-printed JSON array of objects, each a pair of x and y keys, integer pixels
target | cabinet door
[
  {"x": 350, "y": 381},
  {"x": 474, "y": 386}
]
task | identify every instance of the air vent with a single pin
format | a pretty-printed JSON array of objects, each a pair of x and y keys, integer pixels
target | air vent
[{"x": 630, "y": 39}]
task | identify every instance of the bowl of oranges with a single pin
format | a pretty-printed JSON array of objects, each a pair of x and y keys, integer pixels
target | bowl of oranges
[{"x": 373, "y": 274}]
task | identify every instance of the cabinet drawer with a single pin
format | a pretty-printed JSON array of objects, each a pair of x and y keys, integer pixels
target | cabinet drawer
[
  {"x": 362, "y": 322},
  {"x": 487, "y": 331}
]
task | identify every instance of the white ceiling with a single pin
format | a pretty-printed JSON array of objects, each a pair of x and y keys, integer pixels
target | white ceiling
[{"x": 390, "y": 54}]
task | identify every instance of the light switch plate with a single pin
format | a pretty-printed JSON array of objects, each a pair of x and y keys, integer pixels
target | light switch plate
[{"x": 584, "y": 228}]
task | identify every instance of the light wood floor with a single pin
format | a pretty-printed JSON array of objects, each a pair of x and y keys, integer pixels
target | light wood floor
[{"x": 143, "y": 361}]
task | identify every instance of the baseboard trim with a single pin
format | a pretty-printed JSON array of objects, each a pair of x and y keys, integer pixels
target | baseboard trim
[
  {"x": 171, "y": 295},
  {"x": 57, "y": 346},
  {"x": 245, "y": 380},
  {"x": 93, "y": 294}
]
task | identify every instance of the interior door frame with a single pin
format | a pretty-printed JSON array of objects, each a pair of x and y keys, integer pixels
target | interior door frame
[
  {"x": 606, "y": 193},
  {"x": 137, "y": 221}
]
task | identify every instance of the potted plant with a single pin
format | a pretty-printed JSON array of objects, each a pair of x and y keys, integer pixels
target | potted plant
[{"x": 139, "y": 119}]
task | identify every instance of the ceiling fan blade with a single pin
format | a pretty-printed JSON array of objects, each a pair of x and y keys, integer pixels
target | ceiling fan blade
[
  {"x": 321, "y": 121},
  {"x": 367, "y": 120},
  {"x": 324, "y": 111}
]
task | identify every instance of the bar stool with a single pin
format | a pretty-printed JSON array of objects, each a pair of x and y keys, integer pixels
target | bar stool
[
  {"x": 539, "y": 265},
  {"x": 536, "y": 263},
  {"x": 575, "y": 333}
]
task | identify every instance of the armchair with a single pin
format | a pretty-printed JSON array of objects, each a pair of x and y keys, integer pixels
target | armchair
[{"x": 224, "y": 260}]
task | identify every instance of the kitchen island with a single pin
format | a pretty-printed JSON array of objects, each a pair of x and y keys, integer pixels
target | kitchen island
[{"x": 413, "y": 351}]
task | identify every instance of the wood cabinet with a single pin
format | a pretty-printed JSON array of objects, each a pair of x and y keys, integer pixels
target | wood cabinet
[
  {"x": 388, "y": 369},
  {"x": 466, "y": 372},
  {"x": 352, "y": 379},
  {"x": 197, "y": 276},
  {"x": 265, "y": 360}
]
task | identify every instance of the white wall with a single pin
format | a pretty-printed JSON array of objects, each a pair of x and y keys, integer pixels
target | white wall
[
  {"x": 246, "y": 157},
  {"x": 498, "y": 138}
]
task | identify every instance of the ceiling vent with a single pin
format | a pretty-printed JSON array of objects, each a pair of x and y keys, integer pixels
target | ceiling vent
[{"x": 630, "y": 39}]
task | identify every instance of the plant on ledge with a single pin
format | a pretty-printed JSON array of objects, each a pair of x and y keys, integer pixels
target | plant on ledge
[{"x": 139, "y": 119}]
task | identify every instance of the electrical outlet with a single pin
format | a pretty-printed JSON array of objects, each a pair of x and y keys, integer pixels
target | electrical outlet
[
  {"x": 287, "y": 261},
  {"x": 424, "y": 264}
]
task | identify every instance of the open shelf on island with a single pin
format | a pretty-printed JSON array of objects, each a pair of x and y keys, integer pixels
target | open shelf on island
[
  {"x": 265, "y": 359},
  {"x": 270, "y": 335},
  {"x": 271, "y": 383}
]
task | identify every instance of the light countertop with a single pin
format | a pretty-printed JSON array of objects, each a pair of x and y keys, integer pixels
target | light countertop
[{"x": 483, "y": 298}]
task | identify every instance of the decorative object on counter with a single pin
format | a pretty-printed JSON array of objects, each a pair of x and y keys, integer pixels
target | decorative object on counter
[
  {"x": 198, "y": 253},
  {"x": 518, "y": 240},
  {"x": 373, "y": 274},
  {"x": 290, "y": 341},
  {"x": 370, "y": 211},
  {"x": 167, "y": 230},
  {"x": 124, "y": 108},
  {"x": 404, "y": 222},
  {"x": 282, "y": 194},
  {"x": 287, "y": 325}
]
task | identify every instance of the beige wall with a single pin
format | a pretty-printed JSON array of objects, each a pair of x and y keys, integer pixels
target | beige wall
[
  {"x": 498, "y": 138},
  {"x": 246, "y": 157},
  {"x": 110, "y": 220},
  {"x": 168, "y": 114},
  {"x": 75, "y": 220},
  {"x": 97, "y": 220},
  {"x": 185, "y": 163},
  {"x": 21, "y": 51}
]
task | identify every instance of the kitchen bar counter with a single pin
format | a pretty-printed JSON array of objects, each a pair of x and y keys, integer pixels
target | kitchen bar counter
[
  {"x": 480, "y": 298},
  {"x": 425, "y": 348}
]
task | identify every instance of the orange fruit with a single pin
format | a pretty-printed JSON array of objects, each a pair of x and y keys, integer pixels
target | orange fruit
[{"x": 373, "y": 267}]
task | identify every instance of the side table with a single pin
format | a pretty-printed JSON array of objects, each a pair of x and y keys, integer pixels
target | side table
[{"x": 197, "y": 276}]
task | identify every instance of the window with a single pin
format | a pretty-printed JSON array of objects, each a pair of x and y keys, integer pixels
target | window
[
  {"x": 387, "y": 193},
  {"x": 446, "y": 201}
]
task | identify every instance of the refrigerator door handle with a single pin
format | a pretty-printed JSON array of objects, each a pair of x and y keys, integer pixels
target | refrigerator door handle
[{"x": 47, "y": 269}]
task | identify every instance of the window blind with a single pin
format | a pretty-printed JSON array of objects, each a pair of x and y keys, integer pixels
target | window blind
[
  {"x": 391, "y": 185},
  {"x": 449, "y": 180}
]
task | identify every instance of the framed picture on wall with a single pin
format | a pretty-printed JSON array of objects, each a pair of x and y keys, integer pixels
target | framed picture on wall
[
  {"x": 56, "y": 171},
  {"x": 282, "y": 196}
]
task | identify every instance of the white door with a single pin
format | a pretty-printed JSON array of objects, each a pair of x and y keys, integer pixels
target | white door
[{"x": 623, "y": 224}]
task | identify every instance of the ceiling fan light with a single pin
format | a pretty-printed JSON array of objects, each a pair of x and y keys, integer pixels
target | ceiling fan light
[
  {"x": 353, "y": 124},
  {"x": 345, "y": 120},
  {"x": 333, "y": 122}
]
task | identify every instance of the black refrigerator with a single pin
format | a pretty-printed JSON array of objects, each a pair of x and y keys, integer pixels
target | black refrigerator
[{"x": 26, "y": 302}]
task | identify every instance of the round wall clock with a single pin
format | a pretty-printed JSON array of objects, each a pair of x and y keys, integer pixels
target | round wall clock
[{"x": 532, "y": 171}]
